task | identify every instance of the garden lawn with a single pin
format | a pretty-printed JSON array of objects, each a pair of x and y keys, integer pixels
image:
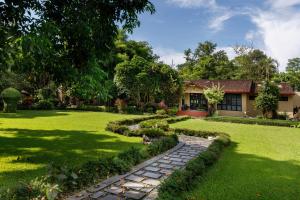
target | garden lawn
[
  {"x": 30, "y": 140},
  {"x": 262, "y": 163}
]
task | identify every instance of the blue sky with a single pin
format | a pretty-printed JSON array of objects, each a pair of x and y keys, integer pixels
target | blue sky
[{"x": 271, "y": 25}]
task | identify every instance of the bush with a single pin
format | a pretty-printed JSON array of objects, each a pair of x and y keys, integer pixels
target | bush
[
  {"x": 161, "y": 112},
  {"x": 43, "y": 105},
  {"x": 267, "y": 122},
  {"x": 10, "y": 98},
  {"x": 162, "y": 145},
  {"x": 172, "y": 120},
  {"x": 112, "y": 109},
  {"x": 200, "y": 133},
  {"x": 61, "y": 179},
  {"x": 132, "y": 110},
  {"x": 184, "y": 180},
  {"x": 172, "y": 111},
  {"x": 90, "y": 108},
  {"x": 151, "y": 132},
  {"x": 150, "y": 108},
  {"x": 155, "y": 123}
]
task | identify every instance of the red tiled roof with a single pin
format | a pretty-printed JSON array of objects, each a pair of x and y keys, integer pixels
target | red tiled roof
[
  {"x": 229, "y": 86},
  {"x": 239, "y": 86},
  {"x": 284, "y": 89}
]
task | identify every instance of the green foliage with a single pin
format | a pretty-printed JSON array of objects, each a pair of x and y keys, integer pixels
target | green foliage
[
  {"x": 204, "y": 134},
  {"x": 145, "y": 81},
  {"x": 214, "y": 95},
  {"x": 172, "y": 120},
  {"x": 267, "y": 99},
  {"x": 161, "y": 112},
  {"x": 267, "y": 122},
  {"x": 151, "y": 132},
  {"x": 172, "y": 111},
  {"x": 10, "y": 97},
  {"x": 155, "y": 123},
  {"x": 43, "y": 105},
  {"x": 206, "y": 63},
  {"x": 162, "y": 145},
  {"x": 184, "y": 180},
  {"x": 61, "y": 179}
]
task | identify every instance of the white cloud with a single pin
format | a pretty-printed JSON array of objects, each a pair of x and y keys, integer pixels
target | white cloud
[
  {"x": 279, "y": 31},
  {"x": 283, "y": 3},
  {"x": 169, "y": 56},
  {"x": 229, "y": 50},
  {"x": 216, "y": 24},
  {"x": 194, "y": 3}
]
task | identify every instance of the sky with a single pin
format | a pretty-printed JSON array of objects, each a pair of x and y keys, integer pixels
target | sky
[{"x": 270, "y": 25}]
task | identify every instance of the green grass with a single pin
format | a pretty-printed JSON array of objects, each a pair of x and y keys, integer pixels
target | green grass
[
  {"x": 262, "y": 163},
  {"x": 30, "y": 140}
]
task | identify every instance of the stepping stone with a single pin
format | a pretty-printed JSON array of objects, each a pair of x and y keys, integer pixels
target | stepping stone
[
  {"x": 152, "y": 175},
  {"x": 154, "y": 164},
  {"x": 80, "y": 196},
  {"x": 166, "y": 157},
  {"x": 112, "y": 197},
  {"x": 97, "y": 195},
  {"x": 134, "y": 178},
  {"x": 166, "y": 171},
  {"x": 151, "y": 182},
  {"x": 164, "y": 161},
  {"x": 133, "y": 185},
  {"x": 147, "y": 188},
  {"x": 166, "y": 166},
  {"x": 178, "y": 163},
  {"x": 139, "y": 172},
  {"x": 114, "y": 190},
  {"x": 175, "y": 156},
  {"x": 134, "y": 194},
  {"x": 153, "y": 169},
  {"x": 176, "y": 159}
]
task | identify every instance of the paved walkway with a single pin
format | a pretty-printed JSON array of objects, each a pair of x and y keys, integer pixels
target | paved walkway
[{"x": 142, "y": 182}]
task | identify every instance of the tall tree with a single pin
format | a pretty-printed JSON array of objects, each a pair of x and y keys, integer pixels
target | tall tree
[
  {"x": 206, "y": 63},
  {"x": 255, "y": 65}
]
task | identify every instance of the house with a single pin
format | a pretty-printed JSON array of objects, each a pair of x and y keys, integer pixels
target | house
[{"x": 238, "y": 100}]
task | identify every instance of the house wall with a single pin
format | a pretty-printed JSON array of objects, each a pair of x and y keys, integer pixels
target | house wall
[{"x": 248, "y": 106}]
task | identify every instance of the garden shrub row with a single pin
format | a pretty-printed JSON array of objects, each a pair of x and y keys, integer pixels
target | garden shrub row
[
  {"x": 200, "y": 133},
  {"x": 61, "y": 180},
  {"x": 155, "y": 123},
  {"x": 267, "y": 122},
  {"x": 172, "y": 120},
  {"x": 184, "y": 180}
]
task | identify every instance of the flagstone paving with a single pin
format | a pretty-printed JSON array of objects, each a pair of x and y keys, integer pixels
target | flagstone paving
[{"x": 142, "y": 182}]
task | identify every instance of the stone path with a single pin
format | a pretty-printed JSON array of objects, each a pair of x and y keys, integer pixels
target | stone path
[{"x": 142, "y": 182}]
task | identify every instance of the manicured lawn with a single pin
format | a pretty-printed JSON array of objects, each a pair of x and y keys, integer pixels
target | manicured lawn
[
  {"x": 30, "y": 140},
  {"x": 262, "y": 163}
]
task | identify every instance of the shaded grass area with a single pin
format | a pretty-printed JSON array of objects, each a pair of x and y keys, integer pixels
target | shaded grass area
[
  {"x": 30, "y": 140},
  {"x": 263, "y": 162}
]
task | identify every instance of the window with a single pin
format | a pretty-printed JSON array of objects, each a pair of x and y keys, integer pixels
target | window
[
  {"x": 231, "y": 102},
  {"x": 198, "y": 101},
  {"x": 283, "y": 98}
]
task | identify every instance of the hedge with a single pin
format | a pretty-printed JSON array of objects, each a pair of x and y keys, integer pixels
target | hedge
[
  {"x": 61, "y": 180},
  {"x": 184, "y": 180},
  {"x": 199, "y": 133},
  {"x": 267, "y": 122},
  {"x": 155, "y": 123}
]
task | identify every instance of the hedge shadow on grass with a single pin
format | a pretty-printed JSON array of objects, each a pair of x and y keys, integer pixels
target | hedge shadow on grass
[
  {"x": 71, "y": 147},
  {"x": 248, "y": 176},
  {"x": 29, "y": 114}
]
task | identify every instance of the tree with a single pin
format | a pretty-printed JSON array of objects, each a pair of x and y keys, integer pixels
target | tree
[
  {"x": 267, "y": 99},
  {"x": 214, "y": 95},
  {"x": 147, "y": 82},
  {"x": 254, "y": 65},
  {"x": 293, "y": 72},
  {"x": 206, "y": 63}
]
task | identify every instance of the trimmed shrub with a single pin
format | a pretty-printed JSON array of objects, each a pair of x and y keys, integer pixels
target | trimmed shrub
[
  {"x": 132, "y": 110},
  {"x": 162, "y": 145},
  {"x": 239, "y": 120},
  {"x": 151, "y": 132},
  {"x": 10, "y": 97},
  {"x": 161, "y": 112},
  {"x": 61, "y": 179},
  {"x": 155, "y": 123},
  {"x": 90, "y": 108},
  {"x": 199, "y": 133},
  {"x": 172, "y": 111},
  {"x": 43, "y": 105},
  {"x": 172, "y": 120},
  {"x": 184, "y": 180}
]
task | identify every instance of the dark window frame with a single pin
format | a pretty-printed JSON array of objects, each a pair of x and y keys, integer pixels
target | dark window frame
[
  {"x": 283, "y": 98},
  {"x": 231, "y": 102},
  {"x": 198, "y": 101}
]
